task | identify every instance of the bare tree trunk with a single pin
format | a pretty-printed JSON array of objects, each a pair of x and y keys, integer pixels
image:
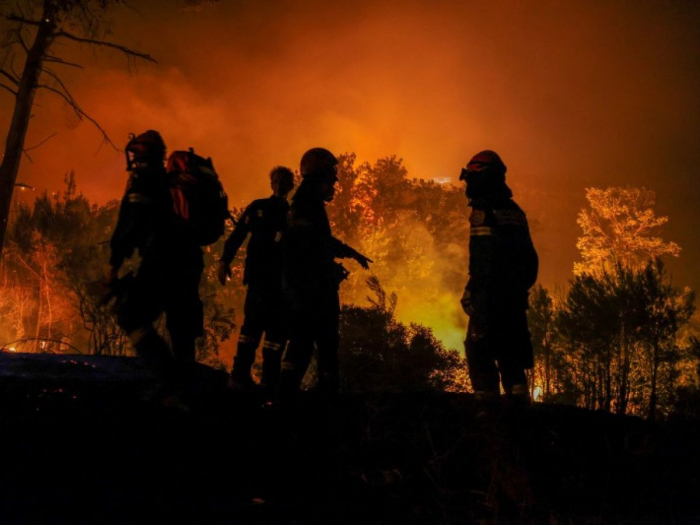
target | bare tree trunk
[
  {"x": 607, "y": 388},
  {"x": 47, "y": 288},
  {"x": 14, "y": 146},
  {"x": 654, "y": 375},
  {"x": 547, "y": 371},
  {"x": 37, "y": 332},
  {"x": 623, "y": 394}
]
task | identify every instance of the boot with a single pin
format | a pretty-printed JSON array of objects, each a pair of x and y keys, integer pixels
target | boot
[
  {"x": 488, "y": 407},
  {"x": 518, "y": 397}
]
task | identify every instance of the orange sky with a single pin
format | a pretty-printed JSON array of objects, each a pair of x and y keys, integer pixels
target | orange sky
[{"x": 572, "y": 94}]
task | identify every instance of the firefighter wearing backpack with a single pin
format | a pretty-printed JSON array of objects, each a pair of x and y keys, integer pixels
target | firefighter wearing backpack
[
  {"x": 502, "y": 267},
  {"x": 159, "y": 217},
  {"x": 312, "y": 277},
  {"x": 265, "y": 221}
]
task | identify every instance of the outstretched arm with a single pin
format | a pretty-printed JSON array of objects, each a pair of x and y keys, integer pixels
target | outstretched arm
[
  {"x": 232, "y": 245},
  {"x": 343, "y": 251}
]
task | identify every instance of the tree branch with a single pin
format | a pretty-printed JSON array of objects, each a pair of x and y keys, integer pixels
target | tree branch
[
  {"x": 20, "y": 40},
  {"x": 79, "y": 112},
  {"x": 10, "y": 77},
  {"x": 22, "y": 20},
  {"x": 41, "y": 143},
  {"x": 62, "y": 62},
  {"x": 127, "y": 51},
  {"x": 8, "y": 89},
  {"x": 12, "y": 66}
]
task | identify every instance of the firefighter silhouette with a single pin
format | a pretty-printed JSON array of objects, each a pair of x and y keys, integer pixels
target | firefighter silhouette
[
  {"x": 503, "y": 266},
  {"x": 312, "y": 277},
  {"x": 167, "y": 278},
  {"x": 265, "y": 221}
]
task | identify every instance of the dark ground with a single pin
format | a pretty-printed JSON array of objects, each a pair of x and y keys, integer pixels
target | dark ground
[{"x": 79, "y": 445}]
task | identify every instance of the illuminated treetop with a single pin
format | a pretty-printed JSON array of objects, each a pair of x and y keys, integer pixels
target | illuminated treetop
[{"x": 620, "y": 227}]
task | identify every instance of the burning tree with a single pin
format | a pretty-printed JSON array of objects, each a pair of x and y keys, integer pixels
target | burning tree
[
  {"x": 35, "y": 28},
  {"x": 620, "y": 227},
  {"x": 417, "y": 233},
  {"x": 51, "y": 278}
]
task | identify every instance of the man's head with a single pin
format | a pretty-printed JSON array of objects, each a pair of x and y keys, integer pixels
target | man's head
[
  {"x": 145, "y": 151},
  {"x": 320, "y": 167},
  {"x": 281, "y": 181},
  {"x": 485, "y": 174}
]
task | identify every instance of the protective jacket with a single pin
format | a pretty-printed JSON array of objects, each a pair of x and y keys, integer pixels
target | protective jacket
[
  {"x": 266, "y": 221},
  {"x": 171, "y": 263},
  {"x": 311, "y": 280},
  {"x": 503, "y": 262},
  {"x": 146, "y": 222},
  {"x": 143, "y": 215},
  {"x": 310, "y": 248}
]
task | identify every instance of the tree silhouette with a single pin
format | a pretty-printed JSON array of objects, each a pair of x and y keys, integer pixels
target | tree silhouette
[
  {"x": 620, "y": 328},
  {"x": 667, "y": 309},
  {"x": 541, "y": 316},
  {"x": 35, "y": 28}
]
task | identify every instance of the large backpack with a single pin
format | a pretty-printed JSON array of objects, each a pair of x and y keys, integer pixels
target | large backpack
[{"x": 199, "y": 199}]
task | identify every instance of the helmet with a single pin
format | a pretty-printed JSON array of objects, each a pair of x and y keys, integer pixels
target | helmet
[
  {"x": 147, "y": 146},
  {"x": 319, "y": 163},
  {"x": 485, "y": 160}
]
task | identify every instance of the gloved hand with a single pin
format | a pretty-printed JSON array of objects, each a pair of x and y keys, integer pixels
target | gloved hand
[
  {"x": 466, "y": 303},
  {"x": 362, "y": 260}
]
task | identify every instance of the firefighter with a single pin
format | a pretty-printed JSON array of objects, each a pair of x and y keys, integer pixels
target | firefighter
[
  {"x": 502, "y": 268},
  {"x": 312, "y": 277},
  {"x": 170, "y": 268},
  {"x": 265, "y": 220}
]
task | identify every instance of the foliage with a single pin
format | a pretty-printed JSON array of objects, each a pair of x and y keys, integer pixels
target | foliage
[
  {"x": 219, "y": 312},
  {"x": 416, "y": 231},
  {"x": 620, "y": 227},
  {"x": 541, "y": 320},
  {"x": 615, "y": 341},
  {"x": 380, "y": 354},
  {"x": 52, "y": 280},
  {"x": 687, "y": 398},
  {"x": 612, "y": 343}
]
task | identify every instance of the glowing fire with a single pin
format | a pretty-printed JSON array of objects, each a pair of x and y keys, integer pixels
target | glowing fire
[{"x": 537, "y": 394}]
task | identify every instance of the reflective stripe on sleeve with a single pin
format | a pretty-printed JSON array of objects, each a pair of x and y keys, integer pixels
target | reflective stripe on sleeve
[
  {"x": 480, "y": 231},
  {"x": 134, "y": 198}
]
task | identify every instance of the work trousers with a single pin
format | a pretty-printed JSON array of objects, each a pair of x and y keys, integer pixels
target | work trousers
[
  {"x": 315, "y": 323},
  {"x": 264, "y": 313},
  {"x": 498, "y": 346},
  {"x": 171, "y": 288}
]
